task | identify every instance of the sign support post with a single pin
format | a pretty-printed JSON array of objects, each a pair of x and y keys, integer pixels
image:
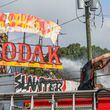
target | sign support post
[{"x": 32, "y": 103}]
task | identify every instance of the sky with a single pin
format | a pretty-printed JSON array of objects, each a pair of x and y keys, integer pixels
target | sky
[{"x": 63, "y": 10}]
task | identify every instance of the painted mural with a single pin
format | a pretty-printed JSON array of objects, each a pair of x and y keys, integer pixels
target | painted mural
[
  {"x": 30, "y": 83},
  {"x": 17, "y": 22}
]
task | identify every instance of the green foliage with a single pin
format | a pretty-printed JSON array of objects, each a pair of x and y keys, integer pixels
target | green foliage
[
  {"x": 73, "y": 52},
  {"x": 98, "y": 51},
  {"x": 34, "y": 71},
  {"x": 78, "y": 52}
]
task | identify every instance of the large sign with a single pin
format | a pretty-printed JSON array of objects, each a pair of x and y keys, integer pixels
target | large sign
[
  {"x": 22, "y": 55},
  {"x": 14, "y": 22},
  {"x": 29, "y": 83}
]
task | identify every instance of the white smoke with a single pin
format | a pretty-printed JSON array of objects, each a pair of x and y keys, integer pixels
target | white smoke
[
  {"x": 104, "y": 80},
  {"x": 72, "y": 68}
]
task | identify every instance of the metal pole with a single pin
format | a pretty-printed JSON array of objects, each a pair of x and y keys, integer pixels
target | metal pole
[
  {"x": 88, "y": 32},
  {"x": 40, "y": 40},
  {"x": 32, "y": 103},
  {"x": 12, "y": 103},
  {"x": 94, "y": 101},
  {"x": 73, "y": 102},
  {"x": 24, "y": 41},
  {"x": 24, "y": 37},
  {"x": 53, "y": 102}
]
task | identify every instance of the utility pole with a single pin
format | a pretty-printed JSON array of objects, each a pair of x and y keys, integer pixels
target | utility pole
[
  {"x": 88, "y": 31},
  {"x": 89, "y": 5}
]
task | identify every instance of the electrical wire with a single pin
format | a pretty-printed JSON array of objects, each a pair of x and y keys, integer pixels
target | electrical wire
[
  {"x": 103, "y": 75},
  {"x": 20, "y": 38},
  {"x": 101, "y": 13},
  {"x": 93, "y": 20},
  {"x": 6, "y": 4},
  {"x": 106, "y": 15},
  {"x": 78, "y": 16},
  {"x": 66, "y": 22},
  {"x": 1, "y": 84},
  {"x": 95, "y": 76},
  {"x": 3, "y": 1},
  {"x": 100, "y": 10}
]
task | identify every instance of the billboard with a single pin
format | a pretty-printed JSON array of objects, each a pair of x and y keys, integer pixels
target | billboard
[
  {"x": 25, "y": 55},
  {"x": 16, "y": 22},
  {"x": 31, "y": 83}
]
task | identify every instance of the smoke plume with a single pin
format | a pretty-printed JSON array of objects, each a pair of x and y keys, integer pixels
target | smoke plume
[
  {"x": 104, "y": 80},
  {"x": 71, "y": 68}
]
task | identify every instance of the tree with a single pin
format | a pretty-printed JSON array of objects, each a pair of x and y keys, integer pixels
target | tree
[
  {"x": 76, "y": 51},
  {"x": 73, "y": 52}
]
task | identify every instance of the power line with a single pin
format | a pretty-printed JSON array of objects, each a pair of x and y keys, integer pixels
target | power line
[
  {"x": 66, "y": 22},
  {"x": 103, "y": 75},
  {"x": 95, "y": 76},
  {"x": 101, "y": 15},
  {"x": 107, "y": 15},
  {"x": 6, "y": 4},
  {"x": 78, "y": 16},
  {"x": 21, "y": 38}
]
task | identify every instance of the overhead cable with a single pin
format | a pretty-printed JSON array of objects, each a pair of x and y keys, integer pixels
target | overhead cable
[
  {"x": 6, "y": 4},
  {"x": 66, "y": 22}
]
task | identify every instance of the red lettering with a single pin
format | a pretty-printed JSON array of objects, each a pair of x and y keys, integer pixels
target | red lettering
[
  {"x": 53, "y": 55},
  {"x": 11, "y": 19},
  {"x": 4, "y": 51},
  {"x": 38, "y": 54},
  {"x": 2, "y": 17},
  {"x": 24, "y": 53},
  {"x": 22, "y": 56}
]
